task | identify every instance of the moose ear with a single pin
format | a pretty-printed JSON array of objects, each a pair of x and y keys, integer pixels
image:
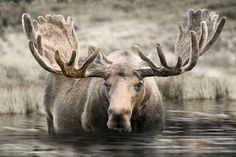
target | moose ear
[{"x": 101, "y": 58}]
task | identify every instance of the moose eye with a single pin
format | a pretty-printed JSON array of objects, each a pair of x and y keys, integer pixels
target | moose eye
[
  {"x": 138, "y": 86},
  {"x": 108, "y": 86}
]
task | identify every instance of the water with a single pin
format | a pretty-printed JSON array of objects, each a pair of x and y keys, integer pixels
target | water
[{"x": 196, "y": 128}]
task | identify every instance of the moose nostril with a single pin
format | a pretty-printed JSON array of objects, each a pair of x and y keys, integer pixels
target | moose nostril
[{"x": 117, "y": 118}]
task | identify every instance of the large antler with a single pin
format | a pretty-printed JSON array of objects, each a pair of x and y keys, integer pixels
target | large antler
[
  {"x": 50, "y": 35},
  {"x": 195, "y": 39}
]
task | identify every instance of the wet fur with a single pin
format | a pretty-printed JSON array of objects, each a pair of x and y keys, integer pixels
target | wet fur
[{"x": 75, "y": 106}]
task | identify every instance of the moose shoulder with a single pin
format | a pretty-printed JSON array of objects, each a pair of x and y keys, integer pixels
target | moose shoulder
[{"x": 114, "y": 93}]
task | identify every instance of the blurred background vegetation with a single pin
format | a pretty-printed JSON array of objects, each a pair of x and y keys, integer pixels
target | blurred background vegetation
[{"x": 115, "y": 25}]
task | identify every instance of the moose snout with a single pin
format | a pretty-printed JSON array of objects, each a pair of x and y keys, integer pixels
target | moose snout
[{"x": 119, "y": 122}]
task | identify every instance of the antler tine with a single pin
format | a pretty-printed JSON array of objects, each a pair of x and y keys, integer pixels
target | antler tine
[
  {"x": 101, "y": 59},
  {"x": 214, "y": 36},
  {"x": 143, "y": 57},
  {"x": 193, "y": 58},
  {"x": 90, "y": 59},
  {"x": 162, "y": 56},
  {"x": 69, "y": 70},
  {"x": 28, "y": 26},
  {"x": 41, "y": 19},
  {"x": 204, "y": 34},
  {"x": 41, "y": 60},
  {"x": 72, "y": 59},
  {"x": 39, "y": 46}
]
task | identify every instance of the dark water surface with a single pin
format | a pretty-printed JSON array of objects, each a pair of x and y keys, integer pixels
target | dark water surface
[{"x": 196, "y": 128}]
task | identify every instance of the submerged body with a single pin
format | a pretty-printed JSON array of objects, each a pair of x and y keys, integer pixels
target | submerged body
[{"x": 74, "y": 106}]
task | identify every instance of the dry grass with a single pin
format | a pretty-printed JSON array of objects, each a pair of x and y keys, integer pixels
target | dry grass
[
  {"x": 197, "y": 87},
  {"x": 21, "y": 100},
  {"x": 116, "y": 25}
]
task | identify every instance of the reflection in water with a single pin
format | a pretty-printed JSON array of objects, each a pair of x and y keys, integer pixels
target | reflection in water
[{"x": 196, "y": 128}]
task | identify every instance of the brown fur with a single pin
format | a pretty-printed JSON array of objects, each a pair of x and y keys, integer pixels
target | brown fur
[{"x": 74, "y": 106}]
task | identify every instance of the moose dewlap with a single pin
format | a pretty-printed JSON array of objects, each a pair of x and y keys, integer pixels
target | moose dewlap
[{"x": 115, "y": 93}]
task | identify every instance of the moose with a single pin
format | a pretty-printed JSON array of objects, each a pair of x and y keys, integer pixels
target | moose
[{"x": 114, "y": 93}]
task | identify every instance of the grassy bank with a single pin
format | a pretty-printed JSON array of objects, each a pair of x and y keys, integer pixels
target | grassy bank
[{"x": 197, "y": 87}]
